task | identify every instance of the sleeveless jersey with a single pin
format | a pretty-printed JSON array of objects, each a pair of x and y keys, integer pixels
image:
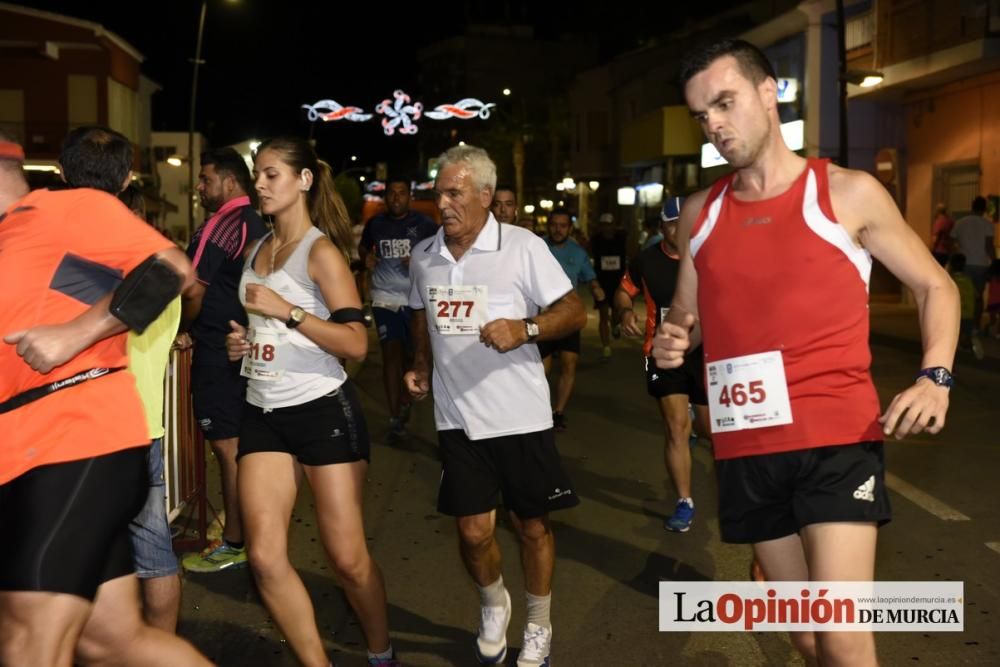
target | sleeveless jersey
[
  {"x": 781, "y": 274},
  {"x": 308, "y": 371}
]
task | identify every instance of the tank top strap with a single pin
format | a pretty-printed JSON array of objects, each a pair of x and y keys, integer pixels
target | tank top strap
[
  {"x": 709, "y": 213},
  {"x": 297, "y": 266},
  {"x": 258, "y": 244},
  {"x": 820, "y": 169}
]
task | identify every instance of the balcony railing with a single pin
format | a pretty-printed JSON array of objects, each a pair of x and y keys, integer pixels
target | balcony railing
[{"x": 859, "y": 31}]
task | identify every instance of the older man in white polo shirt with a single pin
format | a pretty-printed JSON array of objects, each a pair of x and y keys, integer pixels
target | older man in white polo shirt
[{"x": 478, "y": 287}]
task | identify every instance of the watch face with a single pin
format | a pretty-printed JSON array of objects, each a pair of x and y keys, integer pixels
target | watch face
[{"x": 939, "y": 376}]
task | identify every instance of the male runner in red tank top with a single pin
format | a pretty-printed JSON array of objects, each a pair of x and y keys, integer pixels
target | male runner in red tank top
[{"x": 775, "y": 264}]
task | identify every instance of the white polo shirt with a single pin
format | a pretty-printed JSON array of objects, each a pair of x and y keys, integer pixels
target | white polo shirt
[{"x": 486, "y": 393}]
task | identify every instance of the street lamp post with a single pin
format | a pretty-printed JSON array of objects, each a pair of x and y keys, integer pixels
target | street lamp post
[{"x": 194, "y": 97}]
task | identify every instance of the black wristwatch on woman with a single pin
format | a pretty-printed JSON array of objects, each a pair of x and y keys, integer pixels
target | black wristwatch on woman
[{"x": 296, "y": 317}]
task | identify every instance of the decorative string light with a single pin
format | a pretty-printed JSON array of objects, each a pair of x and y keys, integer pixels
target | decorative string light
[{"x": 400, "y": 113}]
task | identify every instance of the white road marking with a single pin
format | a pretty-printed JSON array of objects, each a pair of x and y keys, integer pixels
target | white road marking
[{"x": 924, "y": 500}]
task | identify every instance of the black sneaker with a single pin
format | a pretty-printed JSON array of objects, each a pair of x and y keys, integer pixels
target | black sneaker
[{"x": 559, "y": 421}]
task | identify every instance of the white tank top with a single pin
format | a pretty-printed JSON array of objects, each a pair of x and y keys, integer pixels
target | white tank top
[{"x": 307, "y": 371}]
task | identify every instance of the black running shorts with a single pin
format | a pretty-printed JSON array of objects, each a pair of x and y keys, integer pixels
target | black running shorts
[
  {"x": 65, "y": 525},
  {"x": 770, "y": 496},
  {"x": 688, "y": 379},
  {"x": 525, "y": 468},
  {"x": 570, "y": 343},
  {"x": 329, "y": 429},
  {"x": 217, "y": 393}
]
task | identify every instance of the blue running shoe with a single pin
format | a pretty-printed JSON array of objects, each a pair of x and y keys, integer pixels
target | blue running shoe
[
  {"x": 680, "y": 520},
  {"x": 385, "y": 662}
]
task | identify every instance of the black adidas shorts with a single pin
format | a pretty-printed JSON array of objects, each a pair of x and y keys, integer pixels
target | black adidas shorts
[
  {"x": 770, "y": 496},
  {"x": 525, "y": 468},
  {"x": 688, "y": 379},
  {"x": 329, "y": 429},
  {"x": 65, "y": 526}
]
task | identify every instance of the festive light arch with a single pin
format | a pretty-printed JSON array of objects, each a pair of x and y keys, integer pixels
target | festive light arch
[{"x": 400, "y": 113}]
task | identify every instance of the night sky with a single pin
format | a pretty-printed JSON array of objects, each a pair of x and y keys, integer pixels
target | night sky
[{"x": 264, "y": 58}]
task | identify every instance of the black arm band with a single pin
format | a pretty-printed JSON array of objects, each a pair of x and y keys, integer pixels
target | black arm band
[
  {"x": 144, "y": 293},
  {"x": 347, "y": 315}
]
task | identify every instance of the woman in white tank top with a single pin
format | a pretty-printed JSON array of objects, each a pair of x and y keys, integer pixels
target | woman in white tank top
[{"x": 302, "y": 412}]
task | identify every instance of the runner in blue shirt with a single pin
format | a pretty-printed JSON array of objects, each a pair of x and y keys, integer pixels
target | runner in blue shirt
[
  {"x": 575, "y": 261},
  {"x": 385, "y": 250}
]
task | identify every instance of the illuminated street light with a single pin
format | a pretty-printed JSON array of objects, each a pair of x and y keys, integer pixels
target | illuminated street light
[
  {"x": 529, "y": 209},
  {"x": 594, "y": 185},
  {"x": 650, "y": 194},
  {"x": 626, "y": 196},
  {"x": 354, "y": 158},
  {"x": 866, "y": 78},
  {"x": 506, "y": 92},
  {"x": 175, "y": 160},
  {"x": 546, "y": 204}
]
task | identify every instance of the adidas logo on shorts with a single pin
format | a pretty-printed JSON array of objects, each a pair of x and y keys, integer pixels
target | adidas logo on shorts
[{"x": 864, "y": 492}]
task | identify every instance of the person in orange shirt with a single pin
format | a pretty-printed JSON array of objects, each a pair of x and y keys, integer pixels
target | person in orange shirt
[{"x": 73, "y": 456}]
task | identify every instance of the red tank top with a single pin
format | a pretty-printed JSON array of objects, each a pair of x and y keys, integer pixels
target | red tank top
[{"x": 782, "y": 274}]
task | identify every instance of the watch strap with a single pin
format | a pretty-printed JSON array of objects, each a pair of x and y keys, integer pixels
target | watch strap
[{"x": 939, "y": 375}]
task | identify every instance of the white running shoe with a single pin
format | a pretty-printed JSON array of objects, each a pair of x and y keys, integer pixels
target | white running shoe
[
  {"x": 536, "y": 647},
  {"x": 491, "y": 644}
]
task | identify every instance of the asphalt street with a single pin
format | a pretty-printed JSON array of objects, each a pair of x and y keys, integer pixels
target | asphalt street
[{"x": 612, "y": 549}]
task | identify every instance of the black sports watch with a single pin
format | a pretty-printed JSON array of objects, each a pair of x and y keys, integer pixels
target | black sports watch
[
  {"x": 531, "y": 328},
  {"x": 939, "y": 375},
  {"x": 295, "y": 317}
]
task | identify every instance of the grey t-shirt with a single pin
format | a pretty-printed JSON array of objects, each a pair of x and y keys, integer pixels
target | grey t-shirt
[{"x": 971, "y": 233}]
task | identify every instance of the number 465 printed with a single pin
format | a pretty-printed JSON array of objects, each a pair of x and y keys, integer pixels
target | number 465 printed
[{"x": 739, "y": 394}]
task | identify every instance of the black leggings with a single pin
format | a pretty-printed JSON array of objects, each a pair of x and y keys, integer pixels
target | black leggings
[{"x": 65, "y": 525}]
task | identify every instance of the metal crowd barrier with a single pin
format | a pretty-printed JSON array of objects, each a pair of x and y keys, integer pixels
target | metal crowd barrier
[{"x": 184, "y": 455}]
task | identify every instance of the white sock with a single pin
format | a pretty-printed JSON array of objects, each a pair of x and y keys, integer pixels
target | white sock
[
  {"x": 689, "y": 501},
  {"x": 493, "y": 594},
  {"x": 539, "y": 609}
]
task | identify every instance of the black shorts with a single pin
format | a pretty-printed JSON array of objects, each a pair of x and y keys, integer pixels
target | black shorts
[
  {"x": 774, "y": 495},
  {"x": 688, "y": 379},
  {"x": 65, "y": 526},
  {"x": 329, "y": 429},
  {"x": 609, "y": 284},
  {"x": 218, "y": 392},
  {"x": 524, "y": 467},
  {"x": 570, "y": 343}
]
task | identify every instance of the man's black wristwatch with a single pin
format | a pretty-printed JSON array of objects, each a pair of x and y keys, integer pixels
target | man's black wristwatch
[
  {"x": 939, "y": 375},
  {"x": 531, "y": 328}
]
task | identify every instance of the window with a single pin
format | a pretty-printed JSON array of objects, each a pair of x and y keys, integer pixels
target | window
[{"x": 81, "y": 99}]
